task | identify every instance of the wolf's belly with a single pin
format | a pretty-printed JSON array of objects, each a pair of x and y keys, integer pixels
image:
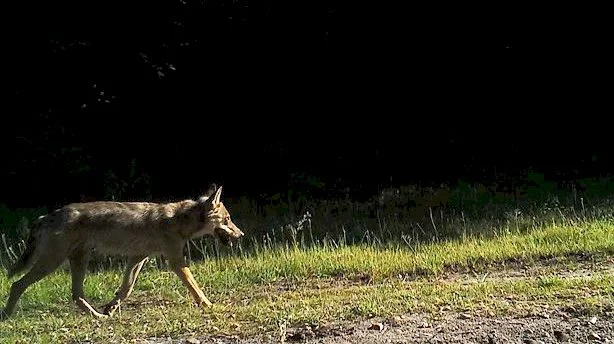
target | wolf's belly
[{"x": 125, "y": 243}]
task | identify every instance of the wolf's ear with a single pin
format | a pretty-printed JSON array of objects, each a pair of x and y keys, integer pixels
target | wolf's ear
[
  {"x": 206, "y": 196},
  {"x": 212, "y": 200},
  {"x": 218, "y": 195}
]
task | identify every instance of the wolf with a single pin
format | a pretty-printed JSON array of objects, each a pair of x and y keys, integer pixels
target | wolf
[{"x": 134, "y": 230}]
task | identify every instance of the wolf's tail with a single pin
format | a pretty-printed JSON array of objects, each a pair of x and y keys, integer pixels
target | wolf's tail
[{"x": 27, "y": 258}]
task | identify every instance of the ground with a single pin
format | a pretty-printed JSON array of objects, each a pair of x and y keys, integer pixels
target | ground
[
  {"x": 550, "y": 285},
  {"x": 449, "y": 328},
  {"x": 553, "y": 323}
]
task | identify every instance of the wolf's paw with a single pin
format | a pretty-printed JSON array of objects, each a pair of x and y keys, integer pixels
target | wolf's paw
[
  {"x": 84, "y": 305},
  {"x": 110, "y": 308},
  {"x": 204, "y": 302},
  {"x": 3, "y": 315}
]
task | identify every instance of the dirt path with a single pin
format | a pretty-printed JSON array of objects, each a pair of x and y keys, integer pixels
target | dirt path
[
  {"x": 452, "y": 327},
  {"x": 456, "y": 329}
]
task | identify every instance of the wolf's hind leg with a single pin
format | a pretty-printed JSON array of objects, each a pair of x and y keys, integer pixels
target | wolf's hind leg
[
  {"x": 46, "y": 264},
  {"x": 133, "y": 268}
]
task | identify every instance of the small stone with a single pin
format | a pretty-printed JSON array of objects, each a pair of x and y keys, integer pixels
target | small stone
[
  {"x": 424, "y": 324},
  {"x": 192, "y": 340},
  {"x": 593, "y": 320},
  {"x": 395, "y": 321},
  {"x": 464, "y": 316},
  {"x": 325, "y": 327},
  {"x": 376, "y": 326},
  {"x": 594, "y": 336},
  {"x": 298, "y": 336},
  {"x": 560, "y": 336}
]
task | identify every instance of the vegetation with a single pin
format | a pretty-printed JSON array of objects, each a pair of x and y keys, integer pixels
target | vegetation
[{"x": 407, "y": 250}]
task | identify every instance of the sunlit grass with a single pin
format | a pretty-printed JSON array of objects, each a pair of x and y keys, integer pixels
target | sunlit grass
[{"x": 253, "y": 293}]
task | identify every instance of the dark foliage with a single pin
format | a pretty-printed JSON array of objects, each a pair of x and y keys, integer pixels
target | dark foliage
[{"x": 154, "y": 100}]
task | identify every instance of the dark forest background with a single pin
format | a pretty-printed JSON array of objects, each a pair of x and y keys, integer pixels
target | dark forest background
[{"x": 155, "y": 100}]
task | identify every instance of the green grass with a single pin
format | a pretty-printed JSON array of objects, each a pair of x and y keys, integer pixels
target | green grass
[{"x": 259, "y": 291}]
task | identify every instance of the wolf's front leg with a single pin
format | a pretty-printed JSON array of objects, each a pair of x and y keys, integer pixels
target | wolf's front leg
[{"x": 184, "y": 273}]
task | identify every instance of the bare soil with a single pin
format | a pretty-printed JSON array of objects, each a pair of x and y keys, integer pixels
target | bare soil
[
  {"x": 554, "y": 326},
  {"x": 453, "y": 328}
]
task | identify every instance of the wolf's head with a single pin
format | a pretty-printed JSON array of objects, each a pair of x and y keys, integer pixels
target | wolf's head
[{"x": 216, "y": 218}]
